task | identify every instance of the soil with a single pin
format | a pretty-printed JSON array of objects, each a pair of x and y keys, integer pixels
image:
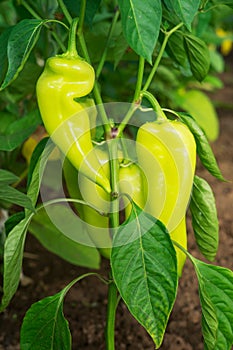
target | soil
[{"x": 85, "y": 304}]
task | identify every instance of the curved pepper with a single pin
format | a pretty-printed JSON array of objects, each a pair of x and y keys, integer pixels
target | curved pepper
[
  {"x": 97, "y": 225},
  {"x": 166, "y": 153},
  {"x": 66, "y": 77},
  {"x": 95, "y": 195}
]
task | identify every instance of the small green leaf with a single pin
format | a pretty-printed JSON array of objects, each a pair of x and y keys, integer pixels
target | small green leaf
[
  {"x": 184, "y": 9},
  {"x": 198, "y": 56},
  {"x": 216, "y": 296},
  {"x": 21, "y": 40},
  {"x": 145, "y": 271},
  {"x": 6, "y": 177},
  {"x": 141, "y": 25},
  {"x": 204, "y": 218},
  {"x": 13, "y": 256},
  {"x": 13, "y": 220},
  {"x": 55, "y": 241},
  {"x": 45, "y": 327},
  {"x": 37, "y": 165},
  {"x": 203, "y": 147},
  {"x": 4, "y": 37},
  {"x": 12, "y": 195},
  {"x": 175, "y": 48}
]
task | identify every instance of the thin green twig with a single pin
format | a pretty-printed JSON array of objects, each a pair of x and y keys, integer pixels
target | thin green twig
[{"x": 159, "y": 57}]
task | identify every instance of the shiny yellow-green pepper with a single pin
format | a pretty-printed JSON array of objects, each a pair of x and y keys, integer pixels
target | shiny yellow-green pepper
[
  {"x": 132, "y": 183},
  {"x": 166, "y": 153},
  {"x": 80, "y": 187},
  {"x": 66, "y": 77}
]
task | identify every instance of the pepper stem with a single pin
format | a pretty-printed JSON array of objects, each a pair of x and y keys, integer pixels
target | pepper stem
[
  {"x": 161, "y": 116},
  {"x": 72, "y": 48}
]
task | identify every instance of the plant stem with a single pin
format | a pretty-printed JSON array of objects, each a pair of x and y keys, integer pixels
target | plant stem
[
  {"x": 72, "y": 48},
  {"x": 154, "y": 103},
  {"x": 159, "y": 57},
  {"x": 113, "y": 225},
  {"x": 104, "y": 54},
  {"x": 96, "y": 91},
  {"x": 127, "y": 117},
  {"x": 82, "y": 16},
  {"x": 35, "y": 15},
  {"x": 30, "y": 9},
  {"x": 114, "y": 177},
  {"x": 139, "y": 79},
  {"x": 136, "y": 100},
  {"x": 111, "y": 315},
  {"x": 65, "y": 11}
]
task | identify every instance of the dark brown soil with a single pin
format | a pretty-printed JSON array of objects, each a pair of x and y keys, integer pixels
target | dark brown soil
[{"x": 85, "y": 305}]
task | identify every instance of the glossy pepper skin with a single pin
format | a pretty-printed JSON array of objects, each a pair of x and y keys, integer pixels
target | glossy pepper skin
[
  {"x": 167, "y": 155},
  {"x": 132, "y": 183},
  {"x": 179, "y": 234},
  {"x": 80, "y": 187},
  {"x": 97, "y": 225},
  {"x": 66, "y": 77}
]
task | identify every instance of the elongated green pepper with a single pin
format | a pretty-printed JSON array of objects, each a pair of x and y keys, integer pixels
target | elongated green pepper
[
  {"x": 65, "y": 78},
  {"x": 132, "y": 183},
  {"x": 97, "y": 225},
  {"x": 167, "y": 155}
]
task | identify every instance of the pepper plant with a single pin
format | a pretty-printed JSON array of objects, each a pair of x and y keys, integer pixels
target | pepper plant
[{"x": 127, "y": 161}]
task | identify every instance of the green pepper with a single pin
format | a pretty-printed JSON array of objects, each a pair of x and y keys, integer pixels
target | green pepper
[
  {"x": 97, "y": 222},
  {"x": 132, "y": 183},
  {"x": 166, "y": 153},
  {"x": 179, "y": 234},
  {"x": 66, "y": 77},
  {"x": 80, "y": 187}
]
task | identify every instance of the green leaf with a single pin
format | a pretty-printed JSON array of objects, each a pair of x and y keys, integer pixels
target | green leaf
[
  {"x": 45, "y": 327},
  {"x": 18, "y": 131},
  {"x": 13, "y": 256},
  {"x": 203, "y": 147},
  {"x": 175, "y": 48},
  {"x": 12, "y": 195},
  {"x": 145, "y": 271},
  {"x": 198, "y": 104},
  {"x": 119, "y": 50},
  {"x": 37, "y": 165},
  {"x": 6, "y": 177},
  {"x": 198, "y": 56},
  {"x": 4, "y": 37},
  {"x": 13, "y": 220},
  {"x": 216, "y": 296},
  {"x": 141, "y": 25},
  {"x": 204, "y": 218},
  {"x": 184, "y": 9},
  {"x": 21, "y": 40},
  {"x": 55, "y": 241}
]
